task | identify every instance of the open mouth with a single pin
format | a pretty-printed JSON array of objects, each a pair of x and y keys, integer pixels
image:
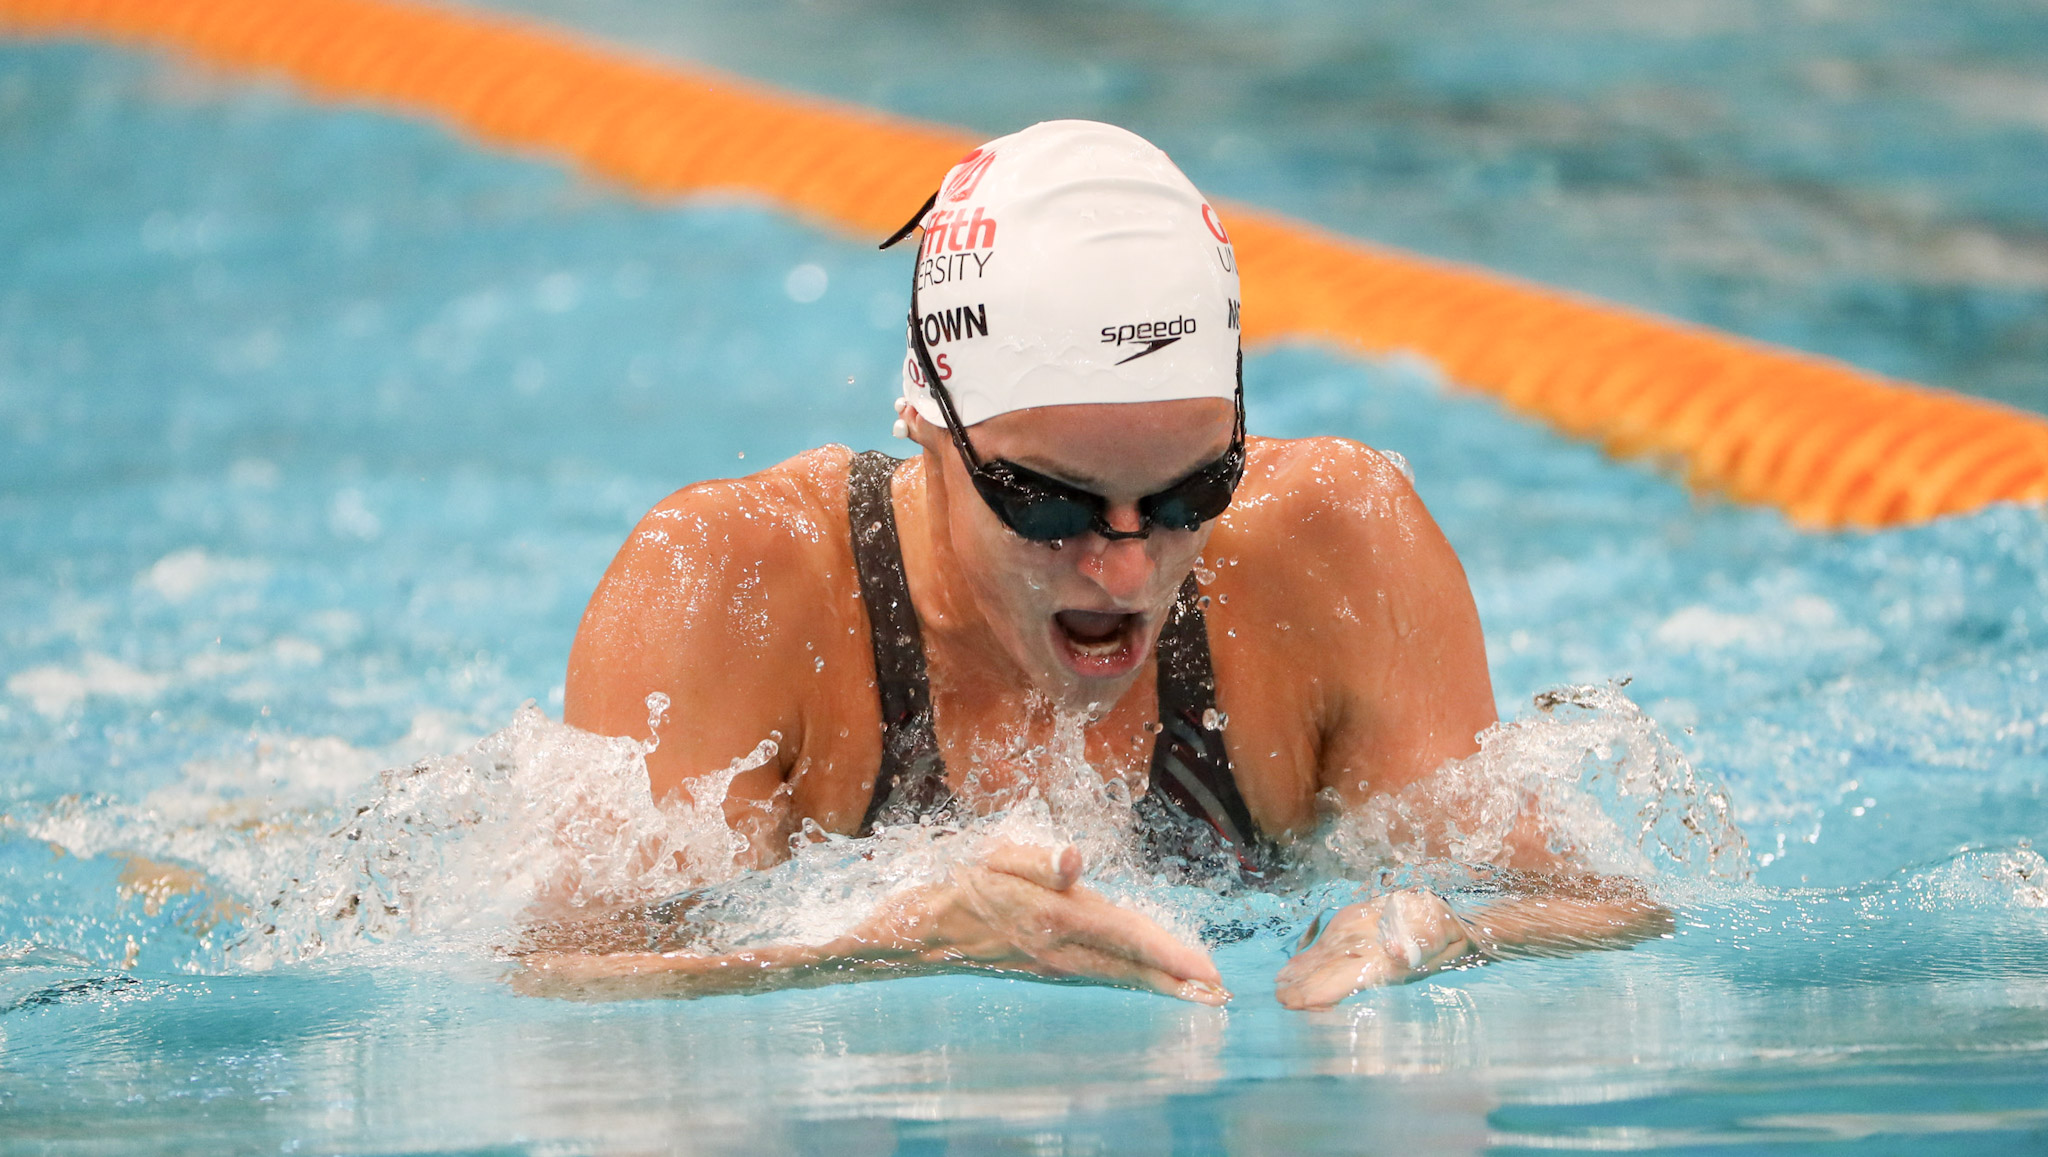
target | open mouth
[{"x": 1100, "y": 644}]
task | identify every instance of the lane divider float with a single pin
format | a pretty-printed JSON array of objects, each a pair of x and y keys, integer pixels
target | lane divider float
[{"x": 1827, "y": 443}]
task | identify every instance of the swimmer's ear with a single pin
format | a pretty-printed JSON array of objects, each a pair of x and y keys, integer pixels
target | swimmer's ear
[
  {"x": 916, "y": 217},
  {"x": 912, "y": 426}
]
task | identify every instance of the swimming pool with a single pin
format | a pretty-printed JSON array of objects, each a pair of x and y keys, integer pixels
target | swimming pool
[{"x": 320, "y": 424}]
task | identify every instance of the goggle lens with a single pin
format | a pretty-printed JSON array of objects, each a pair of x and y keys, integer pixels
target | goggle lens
[
  {"x": 1043, "y": 510},
  {"x": 1047, "y": 519},
  {"x": 1177, "y": 512}
]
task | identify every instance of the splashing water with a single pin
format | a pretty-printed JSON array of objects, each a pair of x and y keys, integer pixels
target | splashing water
[
  {"x": 1589, "y": 775},
  {"x": 541, "y": 825},
  {"x": 831, "y": 883},
  {"x": 537, "y": 815}
]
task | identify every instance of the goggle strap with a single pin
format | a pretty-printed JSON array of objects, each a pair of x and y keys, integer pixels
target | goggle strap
[
  {"x": 911, "y": 224},
  {"x": 938, "y": 389}
]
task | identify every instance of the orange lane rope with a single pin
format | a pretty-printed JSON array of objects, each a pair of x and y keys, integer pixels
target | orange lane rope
[{"x": 1828, "y": 444}]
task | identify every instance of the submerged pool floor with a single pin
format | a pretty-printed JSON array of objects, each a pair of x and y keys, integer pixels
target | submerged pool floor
[{"x": 317, "y": 427}]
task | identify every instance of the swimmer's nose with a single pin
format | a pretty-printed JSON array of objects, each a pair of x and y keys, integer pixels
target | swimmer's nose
[
  {"x": 1124, "y": 516},
  {"x": 1122, "y": 567}
]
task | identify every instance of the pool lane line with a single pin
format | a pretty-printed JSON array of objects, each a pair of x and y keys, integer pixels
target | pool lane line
[{"x": 1826, "y": 443}]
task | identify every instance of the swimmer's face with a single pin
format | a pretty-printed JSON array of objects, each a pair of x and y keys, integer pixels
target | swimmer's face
[{"x": 1080, "y": 620}]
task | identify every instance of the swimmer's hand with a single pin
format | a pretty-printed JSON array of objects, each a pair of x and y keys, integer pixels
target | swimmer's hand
[
  {"x": 1404, "y": 935},
  {"x": 1020, "y": 910},
  {"x": 1023, "y": 910},
  {"x": 1390, "y": 939}
]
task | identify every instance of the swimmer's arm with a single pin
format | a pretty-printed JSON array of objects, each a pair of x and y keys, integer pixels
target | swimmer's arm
[
  {"x": 1396, "y": 632},
  {"x": 1414, "y": 693},
  {"x": 1020, "y": 911},
  {"x": 680, "y": 614}
]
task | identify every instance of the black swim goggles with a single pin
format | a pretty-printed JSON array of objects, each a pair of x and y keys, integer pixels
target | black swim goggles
[{"x": 1044, "y": 509}]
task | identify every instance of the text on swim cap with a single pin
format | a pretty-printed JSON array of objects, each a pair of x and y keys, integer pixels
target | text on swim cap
[
  {"x": 955, "y": 324},
  {"x": 916, "y": 372},
  {"x": 943, "y": 229},
  {"x": 1148, "y": 330},
  {"x": 951, "y": 267}
]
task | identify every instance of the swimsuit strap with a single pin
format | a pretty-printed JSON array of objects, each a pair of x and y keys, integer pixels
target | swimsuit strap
[
  {"x": 1193, "y": 802},
  {"x": 911, "y": 782},
  {"x": 1190, "y": 764}
]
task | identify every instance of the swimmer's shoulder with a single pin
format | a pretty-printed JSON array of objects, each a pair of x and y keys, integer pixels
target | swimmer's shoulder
[
  {"x": 1329, "y": 521},
  {"x": 774, "y": 514},
  {"x": 1297, "y": 486},
  {"x": 737, "y": 600},
  {"x": 777, "y": 535}
]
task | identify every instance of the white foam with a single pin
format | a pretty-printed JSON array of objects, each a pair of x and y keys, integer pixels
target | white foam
[
  {"x": 1804, "y": 623},
  {"x": 2014, "y": 878},
  {"x": 538, "y": 814},
  {"x": 184, "y": 573},
  {"x": 541, "y": 822},
  {"x": 1598, "y": 781},
  {"x": 53, "y": 691}
]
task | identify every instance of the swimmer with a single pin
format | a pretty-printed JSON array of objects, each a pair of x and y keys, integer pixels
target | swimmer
[{"x": 1249, "y": 630}]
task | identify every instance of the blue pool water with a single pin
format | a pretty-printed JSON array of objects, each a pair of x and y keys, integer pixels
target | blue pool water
[{"x": 317, "y": 426}]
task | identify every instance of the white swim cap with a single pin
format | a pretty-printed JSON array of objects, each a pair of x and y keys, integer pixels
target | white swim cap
[{"x": 1072, "y": 262}]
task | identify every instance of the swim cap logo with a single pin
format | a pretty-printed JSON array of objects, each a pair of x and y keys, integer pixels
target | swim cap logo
[
  {"x": 1156, "y": 335},
  {"x": 1215, "y": 224},
  {"x": 953, "y": 244},
  {"x": 1224, "y": 256},
  {"x": 943, "y": 229},
  {"x": 967, "y": 175}
]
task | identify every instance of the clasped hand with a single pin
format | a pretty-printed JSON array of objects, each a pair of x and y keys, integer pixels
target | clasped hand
[
  {"x": 1389, "y": 939},
  {"x": 1017, "y": 908},
  {"x": 1021, "y": 908}
]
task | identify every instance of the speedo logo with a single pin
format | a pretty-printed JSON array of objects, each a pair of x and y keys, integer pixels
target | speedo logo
[{"x": 1156, "y": 335}]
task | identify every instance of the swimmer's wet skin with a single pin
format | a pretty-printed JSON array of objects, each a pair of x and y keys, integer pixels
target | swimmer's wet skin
[{"x": 1066, "y": 490}]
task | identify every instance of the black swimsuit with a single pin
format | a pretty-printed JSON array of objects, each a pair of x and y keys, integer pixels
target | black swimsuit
[{"x": 1193, "y": 823}]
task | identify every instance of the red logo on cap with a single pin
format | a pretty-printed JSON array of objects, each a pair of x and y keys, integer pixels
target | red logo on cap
[
  {"x": 966, "y": 175},
  {"x": 1215, "y": 224}
]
